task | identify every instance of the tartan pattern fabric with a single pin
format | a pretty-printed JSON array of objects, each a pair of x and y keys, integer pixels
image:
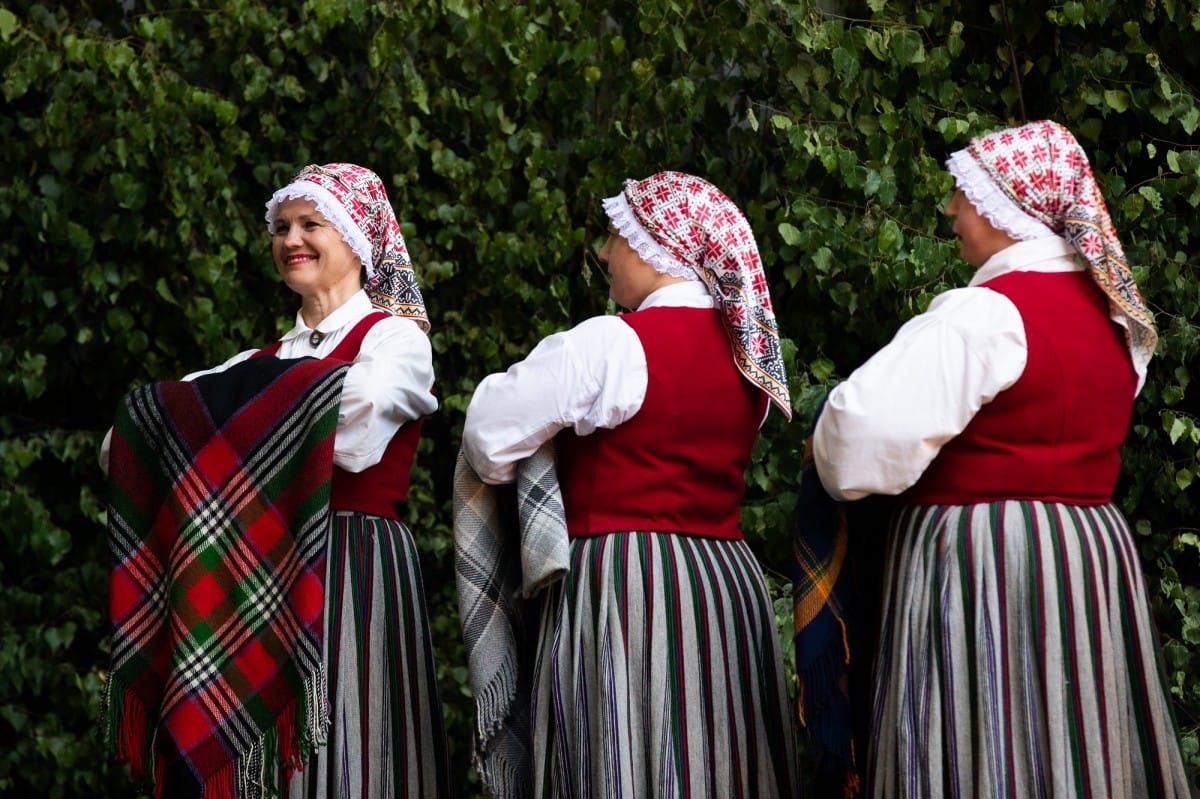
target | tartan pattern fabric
[
  {"x": 355, "y": 201},
  {"x": 504, "y": 554},
  {"x": 697, "y": 224},
  {"x": 1041, "y": 167},
  {"x": 217, "y": 517},
  {"x": 837, "y": 570},
  {"x": 820, "y": 638}
]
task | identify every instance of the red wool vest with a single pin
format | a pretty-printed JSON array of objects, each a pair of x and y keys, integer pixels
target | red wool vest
[
  {"x": 378, "y": 490},
  {"x": 1055, "y": 435},
  {"x": 679, "y": 464}
]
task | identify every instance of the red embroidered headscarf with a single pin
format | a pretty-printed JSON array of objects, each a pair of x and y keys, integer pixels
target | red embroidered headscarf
[
  {"x": 1035, "y": 180},
  {"x": 355, "y": 202},
  {"x": 692, "y": 226}
]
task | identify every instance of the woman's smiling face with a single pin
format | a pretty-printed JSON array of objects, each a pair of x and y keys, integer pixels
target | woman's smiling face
[{"x": 310, "y": 254}]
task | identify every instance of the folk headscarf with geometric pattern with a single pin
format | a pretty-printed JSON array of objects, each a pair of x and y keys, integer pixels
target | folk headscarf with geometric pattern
[
  {"x": 1041, "y": 168},
  {"x": 355, "y": 202},
  {"x": 700, "y": 228}
]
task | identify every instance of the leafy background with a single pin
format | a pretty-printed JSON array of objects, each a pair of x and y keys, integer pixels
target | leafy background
[{"x": 141, "y": 140}]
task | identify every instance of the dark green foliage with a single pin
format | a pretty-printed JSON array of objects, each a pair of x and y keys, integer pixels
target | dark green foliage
[{"x": 140, "y": 146}]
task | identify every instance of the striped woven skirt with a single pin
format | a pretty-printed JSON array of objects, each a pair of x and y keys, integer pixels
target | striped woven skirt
[
  {"x": 387, "y": 737},
  {"x": 1019, "y": 658},
  {"x": 659, "y": 674}
]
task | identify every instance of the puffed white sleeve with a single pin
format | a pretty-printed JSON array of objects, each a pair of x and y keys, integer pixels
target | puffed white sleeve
[
  {"x": 882, "y": 427},
  {"x": 592, "y": 376},
  {"x": 389, "y": 383}
]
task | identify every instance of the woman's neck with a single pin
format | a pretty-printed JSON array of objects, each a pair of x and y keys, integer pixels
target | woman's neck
[{"x": 314, "y": 308}]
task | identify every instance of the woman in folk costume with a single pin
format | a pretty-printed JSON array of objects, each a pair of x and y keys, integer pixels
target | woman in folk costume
[
  {"x": 374, "y": 719},
  {"x": 659, "y": 669},
  {"x": 1019, "y": 656}
]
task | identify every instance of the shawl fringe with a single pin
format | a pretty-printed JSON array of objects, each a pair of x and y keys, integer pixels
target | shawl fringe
[
  {"x": 503, "y": 559},
  {"x": 260, "y": 772}
]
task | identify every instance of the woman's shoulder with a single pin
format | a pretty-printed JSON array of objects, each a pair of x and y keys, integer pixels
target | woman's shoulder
[
  {"x": 596, "y": 339},
  {"x": 972, "y": 311},
  {"x": 599, "y": 324},
  {"x": 393, "y": 332},
  {"x": 966, "y": 301},
  {"x": 383, "y": 321}
]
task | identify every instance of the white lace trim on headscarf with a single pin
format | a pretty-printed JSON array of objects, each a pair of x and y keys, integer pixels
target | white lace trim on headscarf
[
  {"x": 991, "y": 201},
  {"x": 650, "y": 251},
  {"x": 331, "y": 209}
]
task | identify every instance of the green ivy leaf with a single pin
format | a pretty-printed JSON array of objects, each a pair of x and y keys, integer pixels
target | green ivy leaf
[
  {"x": 822, "y": 369},
  {"x": 908, "y": 47},
  {"x": 1179, "y": 428},
  {"x": 890, "y": 238},
  {"x": 1117, "y": 100},
  {"x": 1152, "y": 196},
  {"x": 789, "y": 233},
  {"x": 8, "y": 24}
]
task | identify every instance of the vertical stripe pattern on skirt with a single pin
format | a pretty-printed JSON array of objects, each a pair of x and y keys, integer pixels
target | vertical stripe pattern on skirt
[
  {"x": 660, "y": 674},
  {"x": 1019, "y": 658},
  {"x": 387, "y": 738}
]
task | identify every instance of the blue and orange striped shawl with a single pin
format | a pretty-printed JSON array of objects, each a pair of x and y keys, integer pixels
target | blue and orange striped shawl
[{"x": 837, "y": 568}]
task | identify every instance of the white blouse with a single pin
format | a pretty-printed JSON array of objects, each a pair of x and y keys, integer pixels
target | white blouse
[
  {"x": 591, "y": 376},
  {"x": 389, "y": 383},
  {"x": 882, "y": 427}
]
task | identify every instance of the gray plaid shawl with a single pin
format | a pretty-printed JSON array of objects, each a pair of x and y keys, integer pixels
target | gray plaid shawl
[{"x": 506, "y": 549}]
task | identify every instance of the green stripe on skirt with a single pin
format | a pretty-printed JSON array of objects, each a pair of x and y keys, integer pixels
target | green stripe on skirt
[
  {"x": 1020, "y": 658},
  {"x": 387, "y": 738},
  {"x": 660, "y": 674}
]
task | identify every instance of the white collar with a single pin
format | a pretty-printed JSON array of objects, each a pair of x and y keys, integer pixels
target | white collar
[
  {"x": 690, "y": 294},
  {"x": 1051, "y": 254},
  {"x": 347, "y": 313}
]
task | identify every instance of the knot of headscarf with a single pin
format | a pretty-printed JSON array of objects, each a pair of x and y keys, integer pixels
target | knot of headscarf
[
  {"x": 355, "y": 202},
  {"x": 1043, "y": 170},
  {"x": 701, "y": 227}
]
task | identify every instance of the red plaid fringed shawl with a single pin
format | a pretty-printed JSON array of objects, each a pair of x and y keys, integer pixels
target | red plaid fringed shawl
[{"x": 217, "y": 516}]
